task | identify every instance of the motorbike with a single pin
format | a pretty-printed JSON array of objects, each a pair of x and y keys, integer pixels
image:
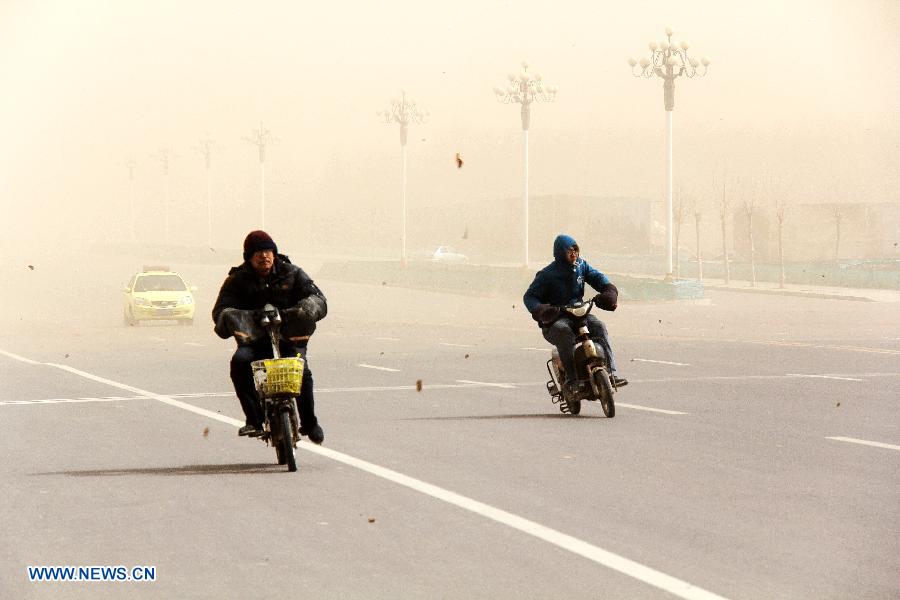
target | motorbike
[
  {"x": 594, "y": 378},
  {"x": 278, "y": 381}
]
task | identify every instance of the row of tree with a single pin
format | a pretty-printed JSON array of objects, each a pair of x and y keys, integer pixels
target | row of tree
[{"x": 748, "y": 201}]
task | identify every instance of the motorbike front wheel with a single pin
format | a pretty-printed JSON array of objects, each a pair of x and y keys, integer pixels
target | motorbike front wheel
[
  {"x": 286, "y": 443},
  {"x": 601, "y": 378}
]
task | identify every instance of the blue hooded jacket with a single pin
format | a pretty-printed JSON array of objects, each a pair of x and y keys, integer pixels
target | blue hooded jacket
[{"x": 560, "y": 283}]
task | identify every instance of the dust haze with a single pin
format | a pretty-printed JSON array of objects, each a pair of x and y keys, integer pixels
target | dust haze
[{"x": 799, "y": 107}]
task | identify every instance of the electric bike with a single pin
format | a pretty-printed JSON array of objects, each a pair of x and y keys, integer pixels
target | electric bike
[
  {"x": 594, "y": 381},
  {"x": 278, "y": 383}
]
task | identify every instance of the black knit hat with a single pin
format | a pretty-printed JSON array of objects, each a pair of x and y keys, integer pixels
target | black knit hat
[{"x": 256, "y": 241}]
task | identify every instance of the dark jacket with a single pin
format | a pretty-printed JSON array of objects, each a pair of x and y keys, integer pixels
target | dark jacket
[
  {"x": 561, "y": 284},
  {"x": 287, "y": 287}
]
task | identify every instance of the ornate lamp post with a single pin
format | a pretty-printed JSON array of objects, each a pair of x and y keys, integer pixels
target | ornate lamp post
[
  {"x": 260, "y": 138},
  {"x": 205, "y": 148},
  {"x": 669, "y": 61},
  {"x": 403, "y": 111},
  {"x": 164, "y": 155},
  {"x": 525, "y": 88},
  {"x": 130, "y": 164}
]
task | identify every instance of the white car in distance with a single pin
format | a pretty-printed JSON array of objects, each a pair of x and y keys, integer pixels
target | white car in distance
[{"x": 448, "y": 255}]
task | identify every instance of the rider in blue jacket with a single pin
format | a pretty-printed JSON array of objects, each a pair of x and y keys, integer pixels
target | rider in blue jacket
[{"x": 562, "y": 283}]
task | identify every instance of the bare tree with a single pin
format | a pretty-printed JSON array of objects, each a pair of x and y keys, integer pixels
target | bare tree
[
  {"x": 749, "y": 203},
  {"x": 697, "y": 216},
  {"x": 724, "y": 206},
  {"x": 780, "y": 213},
  {"x": 838, "y": 218},
  {"x": 680, "y": 206}
]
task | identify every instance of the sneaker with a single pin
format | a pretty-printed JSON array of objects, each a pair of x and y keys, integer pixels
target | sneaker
[
  {"x": 618, "y": 381},
  {"x": 315, "y": 435},
  {"x": 249, "y": 430}
]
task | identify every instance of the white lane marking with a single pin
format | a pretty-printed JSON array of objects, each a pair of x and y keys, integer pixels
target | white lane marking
[
  {"x": 605, "y": 558},
  {"x": 763, "y": 342},
  {"x": 660, "y": 362},
  {"x": 724, "y": 378},
  {"x": 17, "y": 357},
  {"x": 462, "y": 384},
  {"x": 70, "y": 400},
  {"x": 824, "y": 346},
  {"x": 485, "y": 384},
  {"x": 659, "y": 410},
  {"x": 822, "y": 376},
  {"x": 864, "y": 442},
  {"x": 388, "y": 339},
  {"x": 538, "y": 349},
  {"x": 144, "y": 393},
  {"x": 197, "y": 344},
  {"x": 157, "y": 339},
  {"x": 602, "y": 557},
  {"x": 391, "y": 388},
  {"x": 457, "y": 345},
  {"x": 395, "y": 388},
  {"x": 364, "y": 365}
]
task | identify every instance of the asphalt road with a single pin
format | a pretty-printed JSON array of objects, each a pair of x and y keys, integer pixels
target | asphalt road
[{"x": 754, "y": 454}]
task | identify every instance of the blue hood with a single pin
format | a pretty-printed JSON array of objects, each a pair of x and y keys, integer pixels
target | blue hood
[{"x": 560, "y": 245}]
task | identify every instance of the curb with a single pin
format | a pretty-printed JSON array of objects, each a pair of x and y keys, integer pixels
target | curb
[{"x": 799, "y": 293}]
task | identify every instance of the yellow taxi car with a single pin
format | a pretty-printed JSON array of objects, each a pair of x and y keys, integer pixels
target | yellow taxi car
[{"x": 156, "y": 293}]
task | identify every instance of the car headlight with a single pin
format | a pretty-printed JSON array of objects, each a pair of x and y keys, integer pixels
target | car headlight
[
  {"x": 141, "y": 302},
  {"x": 186, "y": 300}
]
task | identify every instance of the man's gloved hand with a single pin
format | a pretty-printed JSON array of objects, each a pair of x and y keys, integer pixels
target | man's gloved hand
[
  {"x": 545, "y": 314},
  {"x": 301, "y": 320},
  {"x": 608, "y": 298},
  {"x": 313, "y": 307},
  {"x": 238, "y": 323}
]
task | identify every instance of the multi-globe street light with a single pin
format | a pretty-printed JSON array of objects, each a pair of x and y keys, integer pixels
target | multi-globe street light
[
  {"x": 205, "y": 148},
  {"x": 260, "y": 138},
  {"x": 525, "y": 88},
  {"x": 403, "y": 111},
  {"x": 130, "y": 164},
  {"x": 669, "y": 61},
  {"x": 164, "y": 155}
]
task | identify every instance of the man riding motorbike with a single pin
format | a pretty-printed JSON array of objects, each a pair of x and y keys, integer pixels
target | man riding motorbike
[
  {"x": 561, "y": 283},
  {"x": 267, "y": 277}
]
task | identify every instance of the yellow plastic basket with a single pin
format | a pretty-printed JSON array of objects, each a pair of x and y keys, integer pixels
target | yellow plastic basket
[{"x": 278, "y": 376}]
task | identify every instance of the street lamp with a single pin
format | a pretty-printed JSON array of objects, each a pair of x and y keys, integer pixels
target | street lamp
[
  {"x": 403, "y": 111},
  {"x": 130, "y": 164},
  {"x": 260, "y": 138},
  {"x": 669, "y": 61},
  {"x": 525, "y": 88},
  {"x": 206, "y": 145},
  {"x": 164, "y": 155}
]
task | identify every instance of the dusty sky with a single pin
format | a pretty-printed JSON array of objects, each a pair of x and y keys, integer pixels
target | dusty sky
[{"x": 801, "y": 95}]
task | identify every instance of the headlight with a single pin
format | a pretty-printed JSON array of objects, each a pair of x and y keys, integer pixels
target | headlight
[
  {"x": 186, "y": 300},
  {"x": 141, "y": 302}
]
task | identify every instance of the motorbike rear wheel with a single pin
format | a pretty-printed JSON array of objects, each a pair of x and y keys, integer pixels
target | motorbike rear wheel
[
  {"x": 286, "y": 443},
  {"x": 278, "y": 453},
  {"x": 601, "y": 378}
]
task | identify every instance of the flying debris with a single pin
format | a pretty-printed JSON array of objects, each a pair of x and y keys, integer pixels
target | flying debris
[{"x": 459, "y": 161}]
